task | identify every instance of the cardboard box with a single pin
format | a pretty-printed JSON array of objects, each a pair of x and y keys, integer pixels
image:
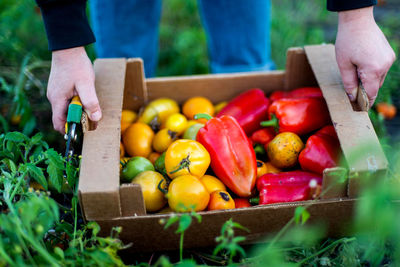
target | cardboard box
[{"x": 120, "y": 83}]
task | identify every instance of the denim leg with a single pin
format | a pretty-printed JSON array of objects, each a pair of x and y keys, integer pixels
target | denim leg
[
  {"x": 127, "y": 28},
  {"x": 238, "y": 34}
]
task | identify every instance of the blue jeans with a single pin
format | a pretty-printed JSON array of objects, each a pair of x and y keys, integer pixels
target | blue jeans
[{"x": 238, "y": 32}]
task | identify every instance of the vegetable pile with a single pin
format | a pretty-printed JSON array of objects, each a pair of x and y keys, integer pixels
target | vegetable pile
[{"x": 256, "y": 150}]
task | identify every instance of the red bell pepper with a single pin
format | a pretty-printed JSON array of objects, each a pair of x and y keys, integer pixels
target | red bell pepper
[
  {"x": 288, "y": 187},
  {"x": 232, "y": 157},
  {"x": 300, "y": 116},
  {"x": 249, "y": 109},
  {"x": 322, "y": 151},
  {"x": 241, "y": 203},
  {"x": 303, "y": 92}
]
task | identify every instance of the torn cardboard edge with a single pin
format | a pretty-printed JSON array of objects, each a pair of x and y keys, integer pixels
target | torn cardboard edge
[{"x": 121, "y": 82}]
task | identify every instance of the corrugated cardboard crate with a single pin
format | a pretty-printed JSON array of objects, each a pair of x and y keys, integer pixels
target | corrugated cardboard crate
[{"x": 120, "y": 83}]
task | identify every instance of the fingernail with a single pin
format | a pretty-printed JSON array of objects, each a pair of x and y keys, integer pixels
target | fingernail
[
  {"x": 354, "y": 92},
  {"x": 96, "y": 116},
  {"x": 352, "y": 98}
]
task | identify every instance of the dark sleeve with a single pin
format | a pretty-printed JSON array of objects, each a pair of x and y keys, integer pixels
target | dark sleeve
[
  {"x": 342, "y": 5},
  {"x": 66, "y": 23}
]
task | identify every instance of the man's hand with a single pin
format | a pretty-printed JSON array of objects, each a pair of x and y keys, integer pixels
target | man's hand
[
  {"x": 71, "y": 74},
  {"x": 363, "y": 52}
]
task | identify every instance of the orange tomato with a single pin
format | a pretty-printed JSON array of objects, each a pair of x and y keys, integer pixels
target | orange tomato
[
  {"x": 127, "y": 118},
  {"x": 137, "y": 139},
  {"x": 196, "y": 105},
  {"x": 153, "y": 157},
  {"x": 388, "y": 111},
  {"x": 212, "y": 183},
  {"x": 220, "y": 200},
  {"x": 121, "y": 150},
  {"x": 186, "y": 193}
]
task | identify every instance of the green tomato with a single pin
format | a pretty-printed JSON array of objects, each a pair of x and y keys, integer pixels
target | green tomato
[
  {"x": 135, "y": 166},
  {"x": 192, "y": 131},
  {"x": 160, "y": 164}
]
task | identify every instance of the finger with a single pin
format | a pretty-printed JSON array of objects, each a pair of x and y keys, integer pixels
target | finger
[
  {"x": 371, "y": 83},
  {"x": 382, "y": 80},
  {"x": 59, "y": 118},
  {"x": 87, "y": 94},
  {"x": 349, "y": 77}
]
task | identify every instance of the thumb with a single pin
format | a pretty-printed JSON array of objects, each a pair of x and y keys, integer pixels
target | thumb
[
  {"x": 90, "y": 103},
  {"x": 348, "y": 72}
]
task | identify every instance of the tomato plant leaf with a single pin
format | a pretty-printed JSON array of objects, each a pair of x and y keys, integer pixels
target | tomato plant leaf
[
  {"x": 184, "y": 222},
  {"x": 302, "y": 214},
  {"x": 171, "y": 220},
  {"x": 59, "y": 252},
  {"x": 16, "y": 137},
  {"x": 37, "y": 174},
  {"x": 71, "y": 172},
  {"x": 55, "y": 176}
]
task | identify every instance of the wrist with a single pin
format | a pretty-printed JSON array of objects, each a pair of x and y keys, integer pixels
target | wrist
[
  {"x": 360, "y": 16},
  {"x": 68, "y": 53}
]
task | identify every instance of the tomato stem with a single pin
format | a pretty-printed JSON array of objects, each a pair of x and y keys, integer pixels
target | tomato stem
[
  {"x": 185, "y": 163},
  {"x": 202, "y": 116}
]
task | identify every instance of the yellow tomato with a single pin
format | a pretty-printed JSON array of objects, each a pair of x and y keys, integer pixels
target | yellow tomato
[
  {"x": 220, "y": 200},
  {"x": 261, "y": 168},
  {"x": 159, "y": 110},
  {"x": 127, "y": 118},
  {"x": 154, "y": 199},
  {"x": 283, "y": 151},
  {"x": 186, "y": 157},
  {"x": 197, "y": 105},
  {"x": 271, "y": 168},
  {"x": 163, "y": 139},
  {"x": 186, "y": 193},
  {"x": 137, "y": 139},
  {"x": 176, "y": 123},
  {"x": 218, "y": 107},
  {"x": 212, "y": 183}
]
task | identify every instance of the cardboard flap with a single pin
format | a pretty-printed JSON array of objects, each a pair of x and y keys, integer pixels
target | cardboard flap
[
  {"x": 135, "y": 94},
  {"x": 99, "y": 174},
  {"x": 357, "y": 137}
]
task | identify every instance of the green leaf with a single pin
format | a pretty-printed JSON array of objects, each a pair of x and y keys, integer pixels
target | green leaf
[
  {"x": 239, "y": 226},
  {"x": 55, "y": 169},
  {"x": 4, "y": 124},
  {"x": 29, "y": 126},
  {"x": 301, "y": 213},
  {"x": 10, "y": 165},
  {"x": 16, "y": 137},
  {"x": 171, "y": 220},
  {"x": 59, "y": 252},
  {"x": 197, "y": 216},
  {"x": 55, "y": 176},
  {"x": 72, "y": 177},
  {"x": 37, "y": 174},
  {"x": 36, "y": 139},
  {"x": 95, "y": 228},
  {"x": 184, "y": 222}
]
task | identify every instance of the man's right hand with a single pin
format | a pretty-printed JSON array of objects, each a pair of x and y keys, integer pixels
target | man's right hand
[{"x": 71, "y": 74}]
